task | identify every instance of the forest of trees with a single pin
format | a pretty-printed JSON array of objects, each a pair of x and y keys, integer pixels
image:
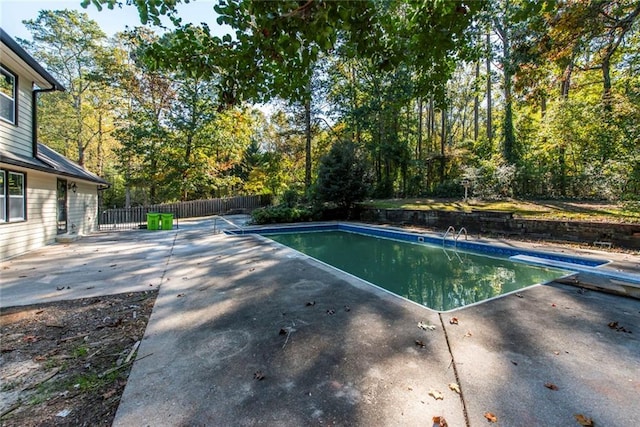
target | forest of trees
[{"x": 528, "y": 99}]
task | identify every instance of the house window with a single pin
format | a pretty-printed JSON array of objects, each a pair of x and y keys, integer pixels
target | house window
[
  {"x": 12, "y": 196},
  {"x": 8, "y": 95}
]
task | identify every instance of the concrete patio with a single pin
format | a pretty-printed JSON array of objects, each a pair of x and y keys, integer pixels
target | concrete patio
[{"x": 247, "y": 332}]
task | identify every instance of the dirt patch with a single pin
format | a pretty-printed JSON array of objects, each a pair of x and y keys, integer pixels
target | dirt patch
[{"x": 66, "y": 363}]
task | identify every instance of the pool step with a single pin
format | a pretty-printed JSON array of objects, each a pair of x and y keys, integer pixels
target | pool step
[{"x": 630, "y": 283}]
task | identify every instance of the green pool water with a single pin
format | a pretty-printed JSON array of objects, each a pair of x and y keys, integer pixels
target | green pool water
[{"x": 429, "y": 275}]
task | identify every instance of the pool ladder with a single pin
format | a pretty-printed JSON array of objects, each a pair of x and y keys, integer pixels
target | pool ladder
[{"x": 452, "y": 230}]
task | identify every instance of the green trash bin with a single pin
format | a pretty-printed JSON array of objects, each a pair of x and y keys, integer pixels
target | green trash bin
[
  {"x": 167, "y": 221},
  {"x": 153, "y": 221}
]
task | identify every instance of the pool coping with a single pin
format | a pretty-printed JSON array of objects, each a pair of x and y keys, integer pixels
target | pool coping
[
  {"x": 621, "y": 283},
  {"x": 587, "y": 264}
]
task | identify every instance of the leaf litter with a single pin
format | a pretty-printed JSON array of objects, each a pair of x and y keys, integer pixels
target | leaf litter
[
  {"x": 455, "y": 387},
  {"x": 426, "y": 326},
  {"x": 99, "y": 337},
  {"x": 437, "y": 395},
  {"x": 440, "y": 422},
  {"x": 584, "y": 421},
  {"x": 492, "y": 418}
]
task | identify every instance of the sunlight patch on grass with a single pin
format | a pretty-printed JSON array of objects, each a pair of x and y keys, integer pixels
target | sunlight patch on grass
[{"x": 549, "y": 210}]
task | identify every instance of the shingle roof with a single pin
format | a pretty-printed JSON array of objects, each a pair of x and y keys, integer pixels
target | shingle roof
[
  {"x": 51, "y": 161},
  {"x": 64, "y": 166}
]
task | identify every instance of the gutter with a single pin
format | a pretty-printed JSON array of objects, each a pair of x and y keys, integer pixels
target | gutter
[{"x": 34, "y": 116}]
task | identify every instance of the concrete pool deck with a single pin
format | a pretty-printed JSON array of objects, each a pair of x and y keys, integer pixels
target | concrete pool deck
[{"x": 332, "y": 350}]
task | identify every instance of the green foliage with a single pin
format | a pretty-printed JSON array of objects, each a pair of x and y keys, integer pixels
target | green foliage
[
  {"x": 401, "y": 85},
  {"x": 491, "y": 180},
  {"x": 281, "y": 214},
  {"x": 341, "y": 176},
  {"x": 290, "y": 198},
  {"x": 448, "y": 189}
]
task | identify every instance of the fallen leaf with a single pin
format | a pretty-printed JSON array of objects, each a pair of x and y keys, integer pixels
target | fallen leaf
[
  {"x": 30, "y": 338},
  {"x": 615, "y": 326},
  {"x": 455, "y": 387},
  {"x": 436, "y": 394},
  {"x": 180, "y": 295},
  {"x": 519, "y": 295},
  {"x": 556, "y": 353},
  {"x": 420, "y": 343},
  {"x": 468, "y": 334},
  {"x": 551, "y": 386},
  {"x": 453, "y": 320},
  {"x": 491, "y": 417},
  {"x": 108, "y": 394},
  {"x": 553, "y": 305},
  {"x": 310, "y": 303},
  {"x": 584, "y": 421},
  {"x": 258, "y": 375},
  {"x": 439, "y": 422},
  {"x": 426, "y": 326}
]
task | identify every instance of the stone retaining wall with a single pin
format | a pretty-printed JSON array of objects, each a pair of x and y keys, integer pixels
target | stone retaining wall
[{"x": 503, "y": 223}]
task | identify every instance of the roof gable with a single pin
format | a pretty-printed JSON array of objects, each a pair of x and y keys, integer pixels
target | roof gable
[{"x": 44, "y": 77}]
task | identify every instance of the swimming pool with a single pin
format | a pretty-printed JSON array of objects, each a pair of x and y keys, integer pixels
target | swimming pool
[{"x": 429, "y": 275}]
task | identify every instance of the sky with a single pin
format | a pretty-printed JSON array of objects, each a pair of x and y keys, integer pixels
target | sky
[{"x": 13, "y": 12}]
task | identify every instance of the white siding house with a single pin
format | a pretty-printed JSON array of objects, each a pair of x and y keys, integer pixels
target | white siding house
[{"x": 42, "y": 194}]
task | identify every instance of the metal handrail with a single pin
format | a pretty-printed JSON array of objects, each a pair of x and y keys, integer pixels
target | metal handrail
[
  {"x": 215, "y": 223},
  {"x": 452, "y": 229},
  {"x": 466, "y": 237}
]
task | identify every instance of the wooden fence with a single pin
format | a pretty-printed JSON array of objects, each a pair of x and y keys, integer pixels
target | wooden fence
[{"x": 133, "y": 218}]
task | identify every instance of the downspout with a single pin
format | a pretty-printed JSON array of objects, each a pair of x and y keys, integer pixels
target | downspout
[{"x": 34, "y": 117}]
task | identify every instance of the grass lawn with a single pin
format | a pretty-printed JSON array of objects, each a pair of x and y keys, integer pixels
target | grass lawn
[{"x": 530, "y": 209}]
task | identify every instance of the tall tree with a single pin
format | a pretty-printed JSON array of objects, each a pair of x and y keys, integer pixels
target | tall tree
[{"x": 73, "y": 48}]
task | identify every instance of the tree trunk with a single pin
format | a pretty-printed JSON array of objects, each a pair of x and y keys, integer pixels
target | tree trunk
[
  {"x": 489, "y": 101},
  {"x": 476, "y": 105},
  {"x": 100, "y": 147},
  {"x": 307, "y": 131},
  {"x": 354, "y": 102},
  {"x": 432, "y": 125},
  {"x": 565, "y": 82},
  {"x": 80, "y": 144},
  {"x": 508, "y": 144},
  {"x": 443, "y": 136},
  {"x": 419, "y": 154},
  {"x": 606, "y": 82},
  {"x": 565, "y": 86}
]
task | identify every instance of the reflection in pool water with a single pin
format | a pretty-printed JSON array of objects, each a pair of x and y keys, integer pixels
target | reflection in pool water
[{"x": 429, "y": 275}]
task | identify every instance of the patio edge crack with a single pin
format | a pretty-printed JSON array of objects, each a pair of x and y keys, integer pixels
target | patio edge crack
[{"x": 455, "y": 373}]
